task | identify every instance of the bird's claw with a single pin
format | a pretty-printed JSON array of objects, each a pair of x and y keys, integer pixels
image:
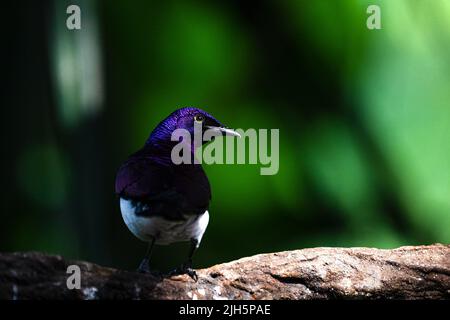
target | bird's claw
[
  {"x": 185, "y": 269},
  {"x": 192, "y": 273}
]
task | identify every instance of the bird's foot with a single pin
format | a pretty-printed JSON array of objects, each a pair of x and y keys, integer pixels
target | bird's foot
[
  {"x": 185, "y": 268},
  {"x": 144, "y": 267},
  {"x": 192, "y": 273}
]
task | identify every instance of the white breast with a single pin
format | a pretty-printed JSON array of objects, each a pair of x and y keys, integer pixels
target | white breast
[{"x": 164, "y": 231}]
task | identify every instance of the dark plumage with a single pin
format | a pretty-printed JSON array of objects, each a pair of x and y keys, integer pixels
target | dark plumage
[
  {"x": 162, "y": 202},
  {"x": 169, "y": 190}
]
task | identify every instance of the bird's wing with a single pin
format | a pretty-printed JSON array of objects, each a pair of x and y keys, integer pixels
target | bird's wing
[
  {"x": 168, "y": 191},
  {"x": 141, "y": 178},
  {"x": 191, "y": 181}
]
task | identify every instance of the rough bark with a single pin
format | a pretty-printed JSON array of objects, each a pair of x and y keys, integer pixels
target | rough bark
[{"x": 317, "y": 273}]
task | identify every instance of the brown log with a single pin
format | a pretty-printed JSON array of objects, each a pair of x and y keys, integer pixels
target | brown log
[{"x": 421, "y": 272}]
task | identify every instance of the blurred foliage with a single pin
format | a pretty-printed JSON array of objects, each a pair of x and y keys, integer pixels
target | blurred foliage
[
  {"x": 364, "y": 121},
  {"x": 43, "y": 176}
]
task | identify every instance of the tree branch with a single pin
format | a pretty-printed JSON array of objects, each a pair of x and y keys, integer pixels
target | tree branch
[{"x": 317, "y": 273}]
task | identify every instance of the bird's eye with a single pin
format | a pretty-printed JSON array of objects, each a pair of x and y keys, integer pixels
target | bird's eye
[{"x": 199, "y": 118}]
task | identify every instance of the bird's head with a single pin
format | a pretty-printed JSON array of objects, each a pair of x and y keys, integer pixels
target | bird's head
[{"x": 187, "y": 118}]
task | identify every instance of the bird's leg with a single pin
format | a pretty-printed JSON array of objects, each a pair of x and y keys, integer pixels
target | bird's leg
[
  {"x": 144, "y": 267},
  {"x": 186, "y": 268}
]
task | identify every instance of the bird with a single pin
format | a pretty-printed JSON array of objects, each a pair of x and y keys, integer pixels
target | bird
[{"x": 162, "y": 202}]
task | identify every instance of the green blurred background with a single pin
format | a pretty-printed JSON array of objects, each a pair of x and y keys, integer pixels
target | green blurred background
[{"x": 364, "y": 119}]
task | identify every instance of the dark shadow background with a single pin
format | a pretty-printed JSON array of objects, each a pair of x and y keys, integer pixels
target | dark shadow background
[{"x": 364, "y": 121}]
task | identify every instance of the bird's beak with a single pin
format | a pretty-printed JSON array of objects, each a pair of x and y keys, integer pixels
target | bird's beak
[{"x": 225, "y": 131}]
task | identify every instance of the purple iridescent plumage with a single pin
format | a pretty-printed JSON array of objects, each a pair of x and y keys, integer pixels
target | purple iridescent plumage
[
  {"x": 179, "y": 119},
  {"x": 150, "y": 177}
]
